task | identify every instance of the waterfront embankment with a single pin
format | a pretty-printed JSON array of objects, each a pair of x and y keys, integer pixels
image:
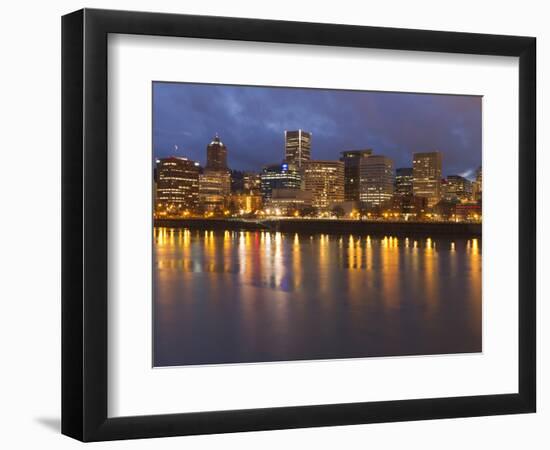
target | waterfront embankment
[{"x": 329, "y": 226}]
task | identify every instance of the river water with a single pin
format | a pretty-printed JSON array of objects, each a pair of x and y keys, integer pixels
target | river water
[{"x": 252, "y": 296}]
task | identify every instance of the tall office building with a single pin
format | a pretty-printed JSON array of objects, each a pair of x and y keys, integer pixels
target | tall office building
[
  {"x": 177, "y": 184},
  {"x": 216, "y": 155},
  {"x": 214, "y": 189},
  {"x": 477, "y": 185},
  {"x": 351, "y": 160},
  {"x": 279, "y": 176},
  {"x": 457, "y": 188},
  {"x": 427, "y": 176},
  {"x": 215, "y": 181},
  {"x": 325, "y": 180},
  {"x": 479, "y": 178},
  {"x": 297, "y": 147},
  {"x": 404, "y": 181},
  {"x": 376, "y": 180}
]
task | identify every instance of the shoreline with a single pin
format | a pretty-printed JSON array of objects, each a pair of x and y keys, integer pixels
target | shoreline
[{"x": 329, "y": 226}]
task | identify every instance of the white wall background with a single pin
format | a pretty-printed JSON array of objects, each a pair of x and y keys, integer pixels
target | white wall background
[{"x": 30, "y": 229}]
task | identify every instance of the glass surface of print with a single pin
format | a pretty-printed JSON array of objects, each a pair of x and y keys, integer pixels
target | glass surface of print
[{"x": 303, "y": 224}]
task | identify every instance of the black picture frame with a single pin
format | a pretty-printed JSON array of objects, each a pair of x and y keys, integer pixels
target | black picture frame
[{"x": 84, "y": 224}]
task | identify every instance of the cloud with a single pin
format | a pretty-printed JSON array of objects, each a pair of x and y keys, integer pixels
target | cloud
[{"x": 251, "y": 122}]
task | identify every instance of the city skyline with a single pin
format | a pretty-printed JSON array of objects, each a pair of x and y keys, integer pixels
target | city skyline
[
  {"x": 305, "y": 224},
  {"x": 246, "y": 118}
]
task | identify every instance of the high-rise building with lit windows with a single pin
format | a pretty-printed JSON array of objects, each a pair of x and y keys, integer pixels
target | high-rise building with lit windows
[
  {"x": 216, "y": 155},
  {"x": 477, "y": 185},
  {"x": 351, "y": 160},
  {"x": 297, "y": 147},
  {"x": 325, "y": 181},
  {"x": 457, "y": 188},
  {"x": 214, "y": 189},
  {"x": 427, "y": 176},
  {"x": 215, "y": 181},
  {"x": 279, "y": 176},
  {"x": 376, "y": 180},
  {"x": 177, "y": 184},
  {"x": 404, "y": 181}
]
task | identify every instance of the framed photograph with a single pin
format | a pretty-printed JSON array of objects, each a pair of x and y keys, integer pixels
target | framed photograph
[{"x": 273, "y": 224}]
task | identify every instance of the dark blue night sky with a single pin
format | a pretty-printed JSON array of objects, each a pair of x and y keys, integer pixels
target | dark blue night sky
[{"x": 251, "y": 123}]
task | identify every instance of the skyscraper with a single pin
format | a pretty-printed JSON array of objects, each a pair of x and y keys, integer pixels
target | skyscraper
[
  {"x": 297, "y": 147},
  {"x": 351, "y": 160},
  {"x": 279, "y": 176},
  {"x": 376, "y": 180},
  {"x": 215, "y": 181},
  {"x": 404, "y": 181},
  {"x": 478, "y": 185},
  {"x": 325, "y": 180},
  {"x": 427, "y": 176},
  {"x": 216, "y": 155},
  {"x": 214, "y": 189},
  {"x": 177, "y": 184},
  {"x": 457, "y": 188}
]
